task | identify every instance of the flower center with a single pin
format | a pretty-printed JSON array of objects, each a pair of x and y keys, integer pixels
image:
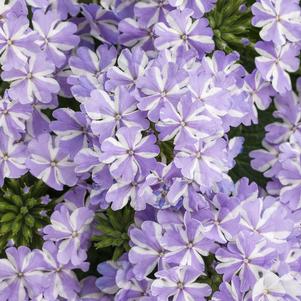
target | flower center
[
  {"x": 29, "y": 75},
  {"x": 117, "y": 117},
  {"x": 74, "y": 234},
  {"x": 190, "y": 245},
  {"x": 53, "y": 163},
  {"x": 266, "y": 292},
  {"x": 20, "y": 274},
  {"x": 180, "y": 285},
  {"x": 184, "y": 37},
  {"x": 198, "y": 155},
  {"x": 246, "y": 261},
  {"x": 130, "y": 152},
  {"x": 5, "y": 157},
  {"x": 9, "y": 42}
]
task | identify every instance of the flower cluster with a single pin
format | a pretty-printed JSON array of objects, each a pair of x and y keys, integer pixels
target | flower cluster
[
  {"x": 280, "y": 30},
  {"x": 117, "y": 141},
  {"x": 235, "y": 241},
  {"x": 280, "y": 158}
]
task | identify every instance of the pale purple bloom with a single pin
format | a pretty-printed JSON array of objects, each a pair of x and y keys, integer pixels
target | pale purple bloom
[
  {"x": 33, "y": 81},
  {"x": 151, "y": 12},
  {"x": 103, "y": 23},
  {"x": 65, "y": 7},
  {"x": 107, "y": 282},
  {"x": 89, "y": 68},
  {"x": 258, "y": 217},
  {"x": 275, "y": 62},
  {"x": 186, "y": 121},
  {"x": 157, "y": 185},
  {"x": 259, "y": 91},
  {"x": 199, "y": 7},
  {"x": 266, "y": 160},
  {"x": 17, "y": 42},
  {"x": 39, "y": 122},
  {"x": 135, "y": 290},
  {"x": 147, "y": 252},
  {"x": 71, "y": 231},
  {"x": 50, "y": 163},
  {"x": 290, "y": 175},
  {"x": 179, "y": 284},
  {"x": 12, "y": 158},
  {"x": 108, "y": 114},
  {"x": 183, "y": 30},
  {"x": 229, "y": 291},
  {"x": 72, "y": 129},
  {"x": 268, "y": 287},
  {"x": 89, "y": 291},
  {"x": 288, "y": 108},
  {"x": 21, "y": 274},
  {"x": 56, "y": 37},
  {"x": 130, "y": 154},
  {"x": 159, "y": 85},
  {"x": 280, "y": 20},
  {"x": 120, "y": 193},
  {"x": 248, "y": 255},
  {"x": 61, "y": 281},
  {"x": 204, "y": 162},
  {"x": 130, "y": 67},
  {"x": 13, "y": 117},
  {"x": 132, "y": 33},
  {"x": 221, "y": 222},
  {"x": 187, "y": 244},
  {"x": 188, "y": 193},
  {"x": 204, "y": 91}
]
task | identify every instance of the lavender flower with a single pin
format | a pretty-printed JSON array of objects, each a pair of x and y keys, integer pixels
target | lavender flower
[
  {"x": 71, "y": 231},
  {"x": 21, "y": 275},
  {"x": 61, "y": 280},
  {"x": 275, "y": 61},
  {"x": 203, "y": 162},
  {"x": 89, "y": 68},
  {"x": 159, "y": 85},
  {"x": 131, "y": 66},
  {"x": 108, "y": 115},
  {"x": 179, "y": 282},
  {"x": 247, "y": 256},
  {"x": 13, "y": 116},
  {"x": 72, "y": 129},
  {"x": 131, "y": 154},
  {"x": 55, "y": 37},
  {"x": 33, "y": 81},
  {"x": 186, "y": 245},
  {"x": 185, "y": 122},
  {"x": 182, "y": 30},
  {"x": 12, "y": 158},
  {"x": 17, "y": 42},
  {"x": 50, "y": 162},
  {"x": 280, "y": 20},
  {"x": 147, "y": 251}
]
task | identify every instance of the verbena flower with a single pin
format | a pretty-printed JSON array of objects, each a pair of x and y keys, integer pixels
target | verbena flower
[
  {"x": 71, "y": 231},
  {"x": 49, "y": 162}
]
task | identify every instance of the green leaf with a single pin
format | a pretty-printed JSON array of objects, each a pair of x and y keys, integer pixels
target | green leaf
[
  {"x": 253, "y": 137},
  {"x": 7, "y": 217}
]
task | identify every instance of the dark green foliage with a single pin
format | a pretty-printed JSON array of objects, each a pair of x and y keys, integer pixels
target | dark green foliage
[
  {"x": 231, "y": 25},
  {"x": 113, "y": 227},
  {"x": 253, "y": 136},
  {"x": 22, "y": 213},
  {"x": 211, "y": 277}
]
